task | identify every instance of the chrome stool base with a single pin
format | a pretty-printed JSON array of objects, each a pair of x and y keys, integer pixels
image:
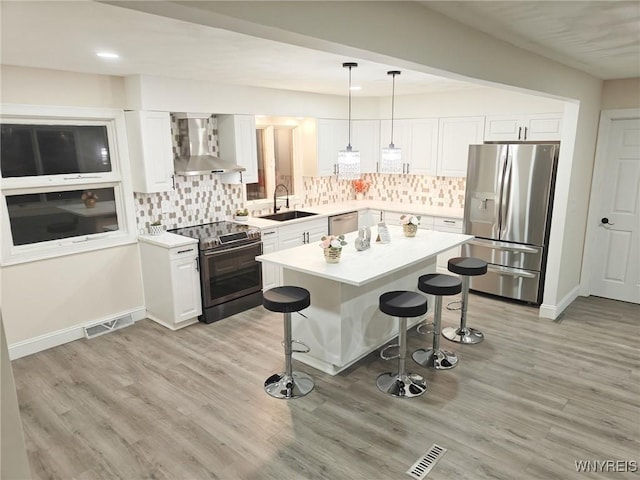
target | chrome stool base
[
  {"x": 281, "y": 385},
  {"x": 438, "y": 359},
  {"x": 464, "y": 335},
  {"x": 402, "y": 386}
]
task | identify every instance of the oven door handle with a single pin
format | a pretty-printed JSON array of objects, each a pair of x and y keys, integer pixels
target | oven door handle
[{"x": 227, "y": 250}]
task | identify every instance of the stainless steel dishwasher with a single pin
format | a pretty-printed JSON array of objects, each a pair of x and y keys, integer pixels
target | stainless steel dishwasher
[{"x": 343, "y": 223}]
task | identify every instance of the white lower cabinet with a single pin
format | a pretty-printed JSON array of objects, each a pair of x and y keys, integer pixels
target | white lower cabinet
[
  {"x": 171, "y": 278},
  {"x": 288, "y": 236},
  {"x": 271, "y": 274},
  {"x": 453, "y": 225},
  {"x": 301, "y": 233}
]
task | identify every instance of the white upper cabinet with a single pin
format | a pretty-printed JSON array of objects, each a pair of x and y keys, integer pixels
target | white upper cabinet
[
  {"x": 237, "y": 143},
  {"x": 533, "y": 128},
  {"x": 150, "y": 150},
  {"x": 365, "y": 137},
  {"x": 321, "y": 141},
  {"x": 455, "y": 136},
  {"x": 417, "y": 140},
  {"x": 423, "y": 147}
]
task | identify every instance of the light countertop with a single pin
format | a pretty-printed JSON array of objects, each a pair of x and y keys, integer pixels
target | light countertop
[
  {"x": 358, "y": 268},
  {"x": 168, "y": 240},
  {"x": 356, "y": 205}
]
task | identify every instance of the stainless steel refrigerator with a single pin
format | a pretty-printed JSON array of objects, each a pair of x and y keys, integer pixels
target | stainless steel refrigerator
[{"x": 508, "y": 199}]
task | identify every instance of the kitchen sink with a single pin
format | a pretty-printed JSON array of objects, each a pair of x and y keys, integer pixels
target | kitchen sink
[{"x": 290, "y": 215}]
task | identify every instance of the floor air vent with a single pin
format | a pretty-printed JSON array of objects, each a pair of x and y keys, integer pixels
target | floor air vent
[
  {"x": 106, "y": 327},
  {"x": 424, "y": 465}
]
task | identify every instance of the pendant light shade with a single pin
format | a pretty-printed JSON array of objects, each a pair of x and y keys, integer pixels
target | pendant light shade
[
  {"x": 391, "y": 158},
  {"x": 349, "y": 159}
]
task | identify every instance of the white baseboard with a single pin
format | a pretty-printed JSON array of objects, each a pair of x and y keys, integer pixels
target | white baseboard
[
  {"x": 554, "y": 311},
  {"x": 66, "y": 335}
]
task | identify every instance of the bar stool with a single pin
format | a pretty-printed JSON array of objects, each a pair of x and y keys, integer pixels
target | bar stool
[
  {"x": 437, "y": 284},
  {"x": 288, "y": 384},
  {"x": 402, "y": 304},
  {"x": 465, "y": 267}
]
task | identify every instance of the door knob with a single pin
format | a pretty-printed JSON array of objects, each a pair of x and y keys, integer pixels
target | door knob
[{"x": 605, "y": 220}]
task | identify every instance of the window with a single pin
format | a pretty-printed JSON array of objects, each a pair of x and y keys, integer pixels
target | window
[{"x": 62, "y": 185}]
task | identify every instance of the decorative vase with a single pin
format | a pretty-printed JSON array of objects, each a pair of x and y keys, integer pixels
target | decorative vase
[
  {"x": 359, "y": 196},
  {"x": 409, "y": 230},
  {"x": 156, "y": 229},
  {"x": 90, "y": 202},
  {"x": 332, "y": 255}
]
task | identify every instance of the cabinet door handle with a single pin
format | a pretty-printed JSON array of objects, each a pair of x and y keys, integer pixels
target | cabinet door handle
[
  {"x": 407, "y": 168},
  {"x": 448, "y": 221},
  {"x": 304, "y": 240},
  {"x": 197, "y": 264},
  {"x": 173, "y": 181},
  {"x": 307, "y": 235},
  {"x": 519, "y": 132},
  {"x": 268, "y": 233},
  {"x": 185, "y": 251},
  {"x": 525, "y": 132}
]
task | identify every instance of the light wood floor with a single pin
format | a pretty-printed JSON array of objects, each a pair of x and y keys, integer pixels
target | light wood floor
[{"x": 145, "y": 402}]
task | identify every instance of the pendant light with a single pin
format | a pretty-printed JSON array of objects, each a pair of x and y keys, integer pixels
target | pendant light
[
  {"x": 349, "y": 159},
  {"x": 391, "y": 158}
]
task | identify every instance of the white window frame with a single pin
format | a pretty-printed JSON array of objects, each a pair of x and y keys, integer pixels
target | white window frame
[{"x": 119, "y": 178}]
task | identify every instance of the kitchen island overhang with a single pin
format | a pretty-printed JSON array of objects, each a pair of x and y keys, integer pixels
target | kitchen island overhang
[{"x": 343, "y": 323}]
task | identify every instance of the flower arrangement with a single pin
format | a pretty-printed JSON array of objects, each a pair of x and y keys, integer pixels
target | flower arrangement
[
  {"x": 360, "y": 186},
  {"x": 333, "y": 241},
  {"x": 89, "y": 195},
  {"x": 409, "y": 224},
  {"x": 409, "y": 219}
]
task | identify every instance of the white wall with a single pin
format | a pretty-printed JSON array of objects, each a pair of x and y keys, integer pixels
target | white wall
[
  {"x": 409, "y": 35},
  {"x": 44, "y": 298}
]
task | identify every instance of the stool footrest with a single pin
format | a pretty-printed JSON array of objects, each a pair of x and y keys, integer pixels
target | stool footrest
[
  {"x": 384, "y": 351},
  {"x": 455, "y": 305},
  {"x": 293, "y": 350},
  {"x": 425, "y": 328}
]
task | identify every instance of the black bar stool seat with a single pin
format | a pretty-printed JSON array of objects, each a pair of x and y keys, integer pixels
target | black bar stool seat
[
  {"x": 402, "y": 304},
  {"x": 288, "y": 384},
  {"x": 465, "y": 267},
  {"x": 439, "y": 285}
]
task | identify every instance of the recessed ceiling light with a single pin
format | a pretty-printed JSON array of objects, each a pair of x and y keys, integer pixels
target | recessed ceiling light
[
  {"x": 355, "y": 87},
  {"x": 107, "y": 55}
]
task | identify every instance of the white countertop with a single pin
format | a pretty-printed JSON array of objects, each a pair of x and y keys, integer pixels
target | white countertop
[
  {"x": 358, "y": 268},
  {"x": 168, "y": 240},
  {"x": 355, "y": 205}
]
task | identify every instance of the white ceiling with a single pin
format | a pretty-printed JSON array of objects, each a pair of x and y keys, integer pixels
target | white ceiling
[
  {"x": 602, "y": 38},
  {"x": 598, "y": 37}
]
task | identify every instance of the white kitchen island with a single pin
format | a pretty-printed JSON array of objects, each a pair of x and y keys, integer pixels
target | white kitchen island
[{"x": 343, "y": 323}]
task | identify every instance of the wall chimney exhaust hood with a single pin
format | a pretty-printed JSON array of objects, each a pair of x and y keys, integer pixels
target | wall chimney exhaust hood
[{"x": 195, "y": 158}]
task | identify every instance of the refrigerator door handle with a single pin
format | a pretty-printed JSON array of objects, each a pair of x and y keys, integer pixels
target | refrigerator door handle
[
  {"x": 505, "y": 246},
  {"x": 505, "y": 194},
  {"x": 512, "y": 272}
]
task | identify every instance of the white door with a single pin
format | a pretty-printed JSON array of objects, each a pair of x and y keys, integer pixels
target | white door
[{"x": 616, "y": 266}]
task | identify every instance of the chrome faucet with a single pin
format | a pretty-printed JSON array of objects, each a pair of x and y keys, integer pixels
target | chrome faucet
[{"x": 275, "y": 207}]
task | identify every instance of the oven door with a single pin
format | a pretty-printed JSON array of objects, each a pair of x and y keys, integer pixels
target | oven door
[{"x": 230, "y": 273}]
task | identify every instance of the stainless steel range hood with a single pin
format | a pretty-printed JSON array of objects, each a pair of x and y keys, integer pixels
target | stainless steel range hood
[{"x": 195, "y": 158}]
